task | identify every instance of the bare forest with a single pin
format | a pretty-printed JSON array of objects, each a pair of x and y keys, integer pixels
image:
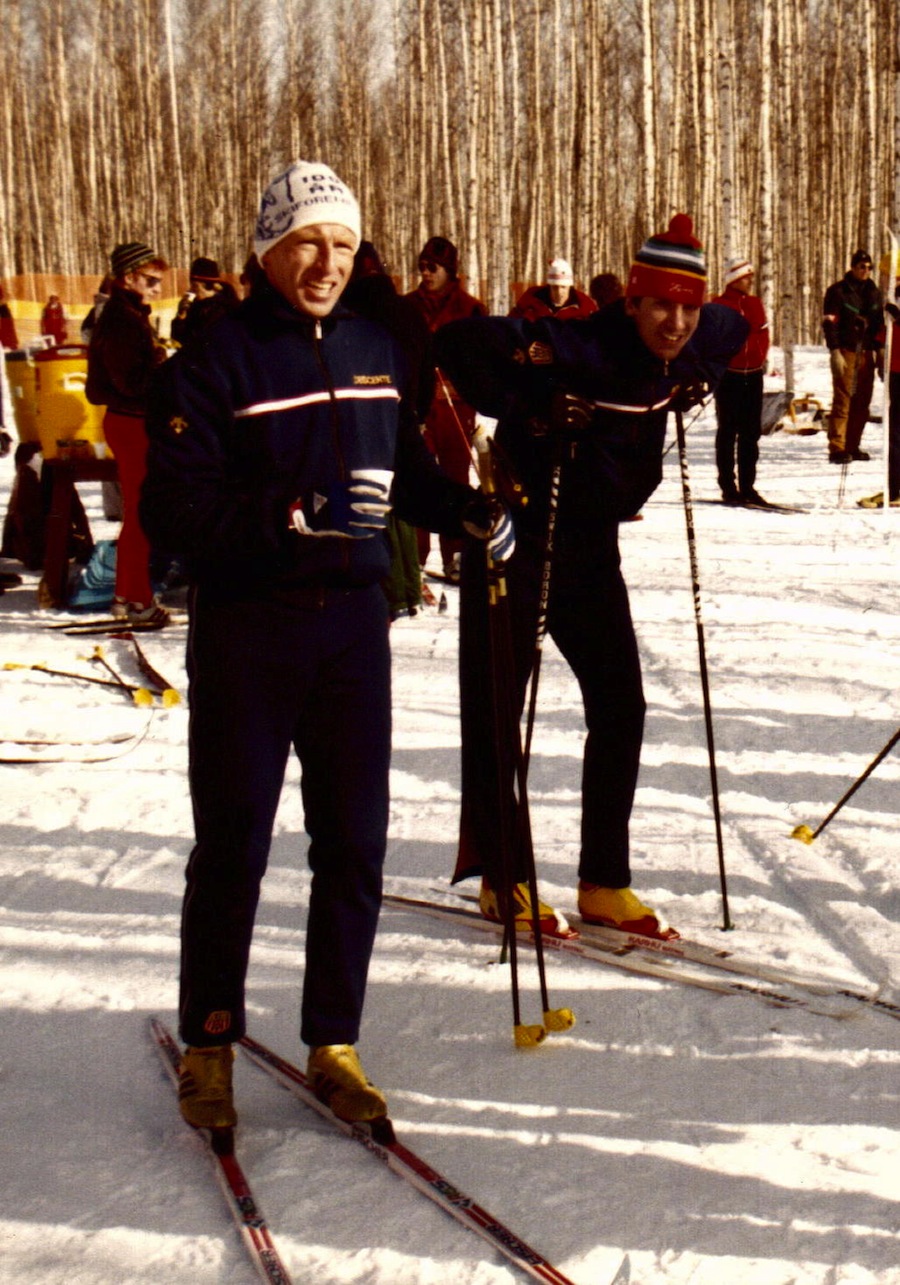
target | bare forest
[{"x": 521, "y": 129}]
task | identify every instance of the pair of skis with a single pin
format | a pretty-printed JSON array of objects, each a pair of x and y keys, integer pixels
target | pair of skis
[
  {"x": 685, "y": 962},
  {"x": 378, "y": 1138}
]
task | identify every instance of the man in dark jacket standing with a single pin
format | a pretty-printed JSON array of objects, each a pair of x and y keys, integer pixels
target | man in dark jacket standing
[
  {"x": 852, "y": 321},
  {"x": 280, "y": 439},
  {"x": 591, "y": 397}
]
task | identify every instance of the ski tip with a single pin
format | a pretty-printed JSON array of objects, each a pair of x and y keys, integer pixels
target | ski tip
[
  {"x": 623, "y": 1275},
  {"x": 803, "y": 833}
]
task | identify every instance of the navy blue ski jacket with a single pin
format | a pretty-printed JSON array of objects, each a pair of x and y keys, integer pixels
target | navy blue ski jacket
[
  {"x": 612, "y": 468},
  {"x": 270, "y": 406}
]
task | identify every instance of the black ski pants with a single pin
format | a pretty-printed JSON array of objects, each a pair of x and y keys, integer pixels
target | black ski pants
[
  {"x": 590, "y": 622},
  {"x": 310, "y": 672},
  {"x": 739, "y": 399}
]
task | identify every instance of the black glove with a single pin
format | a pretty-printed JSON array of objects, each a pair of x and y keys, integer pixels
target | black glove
[
  {"x": 893, "y": 310},
  {"x": 570, "y": 414},
  {"x": 690, "y": 394}
]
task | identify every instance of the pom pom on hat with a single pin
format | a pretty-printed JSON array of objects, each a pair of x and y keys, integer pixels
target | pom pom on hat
[
  {"x": 737, "y": 268},
  {"x": 559, "y": 273},
  {"x": 670, "y": 265},
  {"x": 306, "y": 193}
]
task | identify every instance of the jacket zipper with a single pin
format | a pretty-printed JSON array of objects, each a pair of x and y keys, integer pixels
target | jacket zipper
[{"x": 335, "y": 420}]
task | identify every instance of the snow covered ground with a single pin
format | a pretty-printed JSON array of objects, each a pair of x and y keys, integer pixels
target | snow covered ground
[{"x": 715, "y": 1139}]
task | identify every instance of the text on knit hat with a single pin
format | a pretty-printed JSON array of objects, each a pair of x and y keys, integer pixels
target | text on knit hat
[
  {"x": 670, "y": 265},
  {"x": 306, "y": 193}
]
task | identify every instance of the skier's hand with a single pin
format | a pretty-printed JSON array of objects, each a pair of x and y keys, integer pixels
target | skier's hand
[
  {"x": 690, "y": 394},
  {"x": 838, "y": 364},
  {"x": 486, "y": 517},
  {"x": 893, "y": 310},
  {"x": 570, "y": 414}
]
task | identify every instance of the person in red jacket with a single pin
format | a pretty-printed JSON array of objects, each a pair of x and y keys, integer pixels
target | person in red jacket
[
  {"x": 556, "y": 298},
  {"x": 8, "y": 337},
  {"x": 54, "y": 323},
  {"x": 739, "y": 397},
  {"x": 450, "y": 422}
]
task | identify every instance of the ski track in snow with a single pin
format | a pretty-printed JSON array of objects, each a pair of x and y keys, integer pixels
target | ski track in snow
[{"x": 716, "y": 1140}]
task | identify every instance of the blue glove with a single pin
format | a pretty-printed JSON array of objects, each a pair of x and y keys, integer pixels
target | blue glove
[
  {"x": 487, "y": 518},
  {"x": 502, "y": 537},
  {"x": 352, "y": 510}
]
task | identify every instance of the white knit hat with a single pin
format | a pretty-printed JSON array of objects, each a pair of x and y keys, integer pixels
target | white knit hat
[
  {"x": 306, "y": 193},
  {"x": 560, "y": 273},
  {"x": 737, "y": 268}
]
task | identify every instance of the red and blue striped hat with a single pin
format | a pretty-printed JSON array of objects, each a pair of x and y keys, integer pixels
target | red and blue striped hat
[{"x": 670, "y": 265}]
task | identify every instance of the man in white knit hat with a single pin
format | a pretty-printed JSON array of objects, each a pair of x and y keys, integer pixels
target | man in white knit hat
[
  {"x": 739, "y": 397},
  {"x": 280, "y": 440},
  {"x": 557, "y": 297}
]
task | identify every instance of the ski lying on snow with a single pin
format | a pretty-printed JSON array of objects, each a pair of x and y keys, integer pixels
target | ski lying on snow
[
  {"x": 49, "y": 751},
  {"x": 667, "y": 968},
  {"x": 379, "y": 1138},
  {"x": 246, "y": 1212},
  {"x": 163, "y": 687}
]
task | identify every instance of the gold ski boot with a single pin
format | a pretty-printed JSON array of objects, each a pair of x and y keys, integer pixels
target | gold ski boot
[
  {"x": 204, "y": 1087},
  {"x": 337, "y": 1079}
]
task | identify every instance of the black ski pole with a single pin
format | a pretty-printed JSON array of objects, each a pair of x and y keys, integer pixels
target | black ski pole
[
  {"x": 517, "y": 838},
  {"x": 704, "y": 674},
  {"x": 807, "y": 835},
  {"x": 543, "y": 606}
]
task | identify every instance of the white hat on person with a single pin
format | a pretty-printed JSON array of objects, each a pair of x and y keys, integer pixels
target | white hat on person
[
  {"x": 306, "y": 192},
  {"x": 559, "y": 273}
]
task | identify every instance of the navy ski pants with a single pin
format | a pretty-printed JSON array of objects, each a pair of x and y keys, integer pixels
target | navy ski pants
[
  {"x": 591, "y": 624},
  {"x": 312, "y": 672}
]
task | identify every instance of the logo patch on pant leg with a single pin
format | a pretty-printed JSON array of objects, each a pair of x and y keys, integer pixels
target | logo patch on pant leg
[{"x": 218, "y": 1023}]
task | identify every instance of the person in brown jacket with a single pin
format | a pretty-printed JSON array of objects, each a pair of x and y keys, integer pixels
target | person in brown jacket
[{"x": 450, "y": 423}]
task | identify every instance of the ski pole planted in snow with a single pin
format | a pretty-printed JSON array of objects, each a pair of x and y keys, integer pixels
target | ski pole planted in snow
[
  {"x": 805, "y": 834},
  {"x": 704, "y": 674},
  {"x": 515, "y": 825}
]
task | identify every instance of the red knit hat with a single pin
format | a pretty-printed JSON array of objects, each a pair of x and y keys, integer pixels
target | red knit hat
[{"x": 670, "y": 265}]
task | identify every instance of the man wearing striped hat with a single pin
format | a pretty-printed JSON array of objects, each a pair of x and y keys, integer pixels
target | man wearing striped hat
[{"x": 591, "y": 397}]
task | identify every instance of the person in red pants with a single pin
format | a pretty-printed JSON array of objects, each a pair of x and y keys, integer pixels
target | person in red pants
[{"x": 122, "y": 357}]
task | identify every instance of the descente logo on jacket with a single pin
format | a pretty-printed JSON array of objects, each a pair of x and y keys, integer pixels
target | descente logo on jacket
[{"x": 368, "y": 380}]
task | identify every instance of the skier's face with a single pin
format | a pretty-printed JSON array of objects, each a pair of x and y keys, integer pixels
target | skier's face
[
  {"x": 663, "y": 325},
  {"x": 311, "y": 266},
  {"x": 861, "y": 270},
  {"x": 146, "y": 282},
  {"x": 434, "y": 276},
  {"x": 743, "y": 284}
]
